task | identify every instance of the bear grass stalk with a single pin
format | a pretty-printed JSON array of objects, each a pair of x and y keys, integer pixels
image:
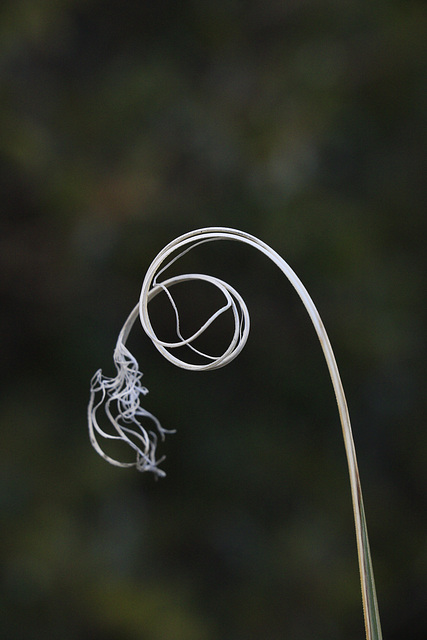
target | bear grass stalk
[{"x": 120, "y": 396}]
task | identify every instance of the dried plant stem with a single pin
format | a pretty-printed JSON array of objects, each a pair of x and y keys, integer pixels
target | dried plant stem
[{"x": 232, "y": 300}]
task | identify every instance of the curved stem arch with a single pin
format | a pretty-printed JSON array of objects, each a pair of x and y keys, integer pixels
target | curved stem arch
[{"x": 232, "y": 300}]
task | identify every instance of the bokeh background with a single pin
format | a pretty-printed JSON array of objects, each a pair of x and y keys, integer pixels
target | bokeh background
[{"x": 124, "y": 124}]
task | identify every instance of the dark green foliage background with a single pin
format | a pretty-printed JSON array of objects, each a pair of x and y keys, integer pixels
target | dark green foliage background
[{"x": 124, "y": 124}]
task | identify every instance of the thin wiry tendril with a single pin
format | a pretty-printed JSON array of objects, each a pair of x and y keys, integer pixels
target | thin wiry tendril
[{"x": 120, "y": 397}]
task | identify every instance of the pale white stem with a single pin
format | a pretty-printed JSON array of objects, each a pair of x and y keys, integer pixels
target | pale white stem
[{"x": 150, "y": 288}]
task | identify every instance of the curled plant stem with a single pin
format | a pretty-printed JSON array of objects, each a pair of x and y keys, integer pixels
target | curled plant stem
[{"x": 124, "y": 390}]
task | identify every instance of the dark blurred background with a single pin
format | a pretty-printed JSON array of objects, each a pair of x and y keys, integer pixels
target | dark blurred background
[{"x": 124, "y": 124}]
